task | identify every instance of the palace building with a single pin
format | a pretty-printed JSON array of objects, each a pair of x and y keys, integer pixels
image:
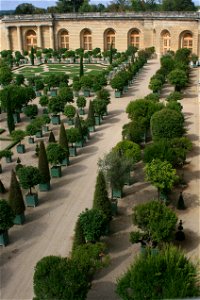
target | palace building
[{"x": 165, "y": 31}]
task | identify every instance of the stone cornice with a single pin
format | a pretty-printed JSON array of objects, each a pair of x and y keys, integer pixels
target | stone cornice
[{"x": 195, "y": 16}]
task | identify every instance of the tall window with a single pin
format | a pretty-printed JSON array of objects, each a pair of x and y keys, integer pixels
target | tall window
[
  {"x": 31, "y": 39},
  {"x": 109, "y": 39},
  {"x": 87, "y": 40},
  {"x": 166, "y": 42},
  {"x": 135, "y": 38},
  {"x": 64, "y": 39},
  {"x": 187, "y": 41}
]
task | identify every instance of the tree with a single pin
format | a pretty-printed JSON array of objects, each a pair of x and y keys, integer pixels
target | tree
[
  {"x": 90, "y": 117},
  {"x": 156, "y": 222},
  {"x": 69, "y": 111},
  {"x": 93, "y": 223},
  {"x": 56, "y": 105},
  {"x": 15, "y": 197},
  {"x": 99, "y": 106},
  {"x": 167, "y": 123},
  {"x": 31, "y": 110},
  {"x": 60, "y": 278},
  {"x": 52, "y": 137},
  {"x": 73, "y": 135},
  {"x": 64, "y": 6},
  {"x": 55, "y": 154},
  {"x": 44, "y": 100},
  {"x": 129, "y": 149},
  {"x": 78, "y": 125},
  {"x": 19, "y": 79},
  {"x": 178, "y": 5},
  {"x": 81, "y": 70},
  {"x": 32, "y": 56},
  {"x": 29, "y": 176},
  {"x": 178, "y": 78},
  {"x": 144, "y": 279},
  {"x": 100, "y": 199},
  {"x": 24, "y": 8},
  {"x": 43, "y": 165},
  {"x": 155, "y": 85},
  {"x": 66, "y": 94},
  {"x": 81, "y": 102},
  {"x": 161, "y": 174},
  {"x": 63, "y": 141},
  {"x": 79, "y": 238},
  {"x": 134, "y": 131},
  {"x": 5, "y": 74},
  {"x": 6, "y": 216}
]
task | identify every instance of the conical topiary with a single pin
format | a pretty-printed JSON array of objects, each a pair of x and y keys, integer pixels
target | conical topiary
[
  {"x": 77, "y": 124},
  {"x": 181, "y": 204},
  {"x": 52, "y": 137},
  {"x": 2, "y": 188},
  {"x": 90, "y": 117},
  {"x": 63, "y": 141},
  {"x": 15, "y": 197},
  {"x": 43, "y": 164},
  {"x": 79, "y": 238},
  {"x": 101, "y": 200}
]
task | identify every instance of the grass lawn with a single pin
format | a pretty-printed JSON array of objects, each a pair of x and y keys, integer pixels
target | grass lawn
[{"x": 71, "y": 70}]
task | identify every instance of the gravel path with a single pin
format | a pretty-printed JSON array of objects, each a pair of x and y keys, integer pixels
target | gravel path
[{"x": 49, "y": 227}]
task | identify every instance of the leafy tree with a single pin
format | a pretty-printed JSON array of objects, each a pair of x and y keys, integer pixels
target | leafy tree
[
  {"x": 134, "y": 131},
  {"x": 174, "y": 96},
  {"x": 155, "y": 85},
  {"x": 156, "y": 221},
  {"x": 101, "y": 200},
  {"x": 167, "y": 64},
  {"x": 15, "y": 197},
  {"x": 52, "y": 137},
  {"x": 63, "y": 142},
  {"x": 99, "y": 107},
  {"x": 104, "y": 95},
  {"x": 144, "y": 279},
  {"x": 73, "y": 135},
  {"x": 25, "y": 8},
  {"x": 153, "y": 97},
  {"x": 18, "y": 135},
  {"x": 69, "y": 111},
  {"x": 81, "y": 70},
  {"x": 43, "y": 165},
  {"x": 6, "y": 216},
  {"x": 174, "y": 105},
  {"x": 90, "y": 117},
  {"x": 32, "y": 129},
  {"x": 129, "y": 149},
  {"x": 29, "y": 176},
  {"x": 178, "y": 5},
  {"x": 5, "y": 153},
  {"x": 56, "y": 105},
  {"x": 5, "y": 74},
  {"x": 66, "y": 94},
  {"x": 55, "y": 154},
  {"x": 161, "y": 174},
  {"x": 60, "y": 278},
  {"x": 167, "y": 123},
  {"x": 178, "y": 78},
  {"x": 115, "y": 168},
  {"x": 81, "y": 101},
  {"x": 78, "y": 125},
  {"x": 32, "y": 56},
  {"x": 44, "y": 100},
  {"x": 19, "y": 79},
  {"x": 31, "y": 110},
  {"x": 86, "y": 82},
  {"x": 93, "y": 223},
  {"x": 79, "y": 238}
]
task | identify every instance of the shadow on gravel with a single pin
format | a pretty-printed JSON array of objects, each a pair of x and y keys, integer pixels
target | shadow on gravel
[
  {"x": 191, "y": 242},
  {"x": 107, "y": 289}
]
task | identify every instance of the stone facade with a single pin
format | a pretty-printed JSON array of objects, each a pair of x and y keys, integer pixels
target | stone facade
[{"x": 164, "y": 31}]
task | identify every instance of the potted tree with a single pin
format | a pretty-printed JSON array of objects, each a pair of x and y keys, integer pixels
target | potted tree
[
  {"x": 69, "y": 112},
  {"x": 7, "y": 154},
  {"x": 16, "y": 201},
  {"x": 44, "y": 100},
  {"x": 99, "y": 109},
  {"x": 78, "y": 125},
  {"x": 117, "y": 83},
  {"x": 81, "y": 103},
  {"x": 91, "y": 118},
  {"x": 55, "y": 155},
  {"x": 31, "y": 111},
  {"x": 32, "y": 129},
  {"x": 6, "y": 217},
  {"x": 29, "y": 176},
  {"x": 76, "y": 86},
  {"x": 63, "y": 142},
  {"x": 55, "y": 106},
  {"x": 18, "y": 135},
  {"x": 86, "y": 84},
  {"x": 43, "y": 166},
  {"x": 73, "y": 136}
]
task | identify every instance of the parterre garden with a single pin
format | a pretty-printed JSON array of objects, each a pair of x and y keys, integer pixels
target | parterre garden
[{"x": 155, "y": 134}]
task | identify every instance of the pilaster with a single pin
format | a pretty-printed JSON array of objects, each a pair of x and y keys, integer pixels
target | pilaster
[{"x": 19, "y": 38}]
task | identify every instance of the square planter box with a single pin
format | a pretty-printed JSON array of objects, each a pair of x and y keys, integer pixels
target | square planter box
[
  {"x": 91, "y": 128},
  {"x": 38, "y": 94},
  {"x": 86, "y": 93},
  {"x": 56, "y": 171},
  {"x": 53, "y": 93},
  {"x": 31, "y": 200},
  {"x": 16, "y": 117},
  {"x": 38, "y": 134},
  {"x": 19, "y": 219},
  {"x": 125, "y": 89},
  {"x": 31, "y": 140},
  {"x": 43, "y": 187},
  {"x": 118, "y": 94},
  {"x": 114, "y": 207},
  {"x": 81, "y": 111},
  {"x": 21, "y": 148},
  {"x": 97, "y": 120},
  {"x": 70, "y": 121},
  {"x": 72, "y": 151},
  {"x": 79, "y": 144},
  {"x": 65, "y": 162},
  {"x": 55, "y": 119},
  {"x": 9, "y": 159},
  {"x": 117, "y": 193},
  {"x": 45, "y": 128},
  {"x": 4, "y": 239}
]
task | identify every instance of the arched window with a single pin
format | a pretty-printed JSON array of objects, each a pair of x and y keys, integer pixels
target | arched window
[
  {"x": 64, "y": 39},
  {"x": 166, "y": 42},
  {"x": 187, "y": 41},
  {"x": 109, "y": 39},
  {"x": 31, "y": 39},
  {"x": 134, "y": 39},
  {"x": 86, "y": 39}
]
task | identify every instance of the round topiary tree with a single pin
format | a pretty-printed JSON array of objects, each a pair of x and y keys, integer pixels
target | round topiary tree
[
  {"x": 55, "y": 155},
  {"x": 81, "y": 103},
  {"x": 70, "y": 112},
  {"x": 178, "y": 78},
  {"x": 167, "y": 123},
  {"x": 43, "y": 167},
  {"x": 15, "y": 199},
  {"x": 129, "y": 149}
]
